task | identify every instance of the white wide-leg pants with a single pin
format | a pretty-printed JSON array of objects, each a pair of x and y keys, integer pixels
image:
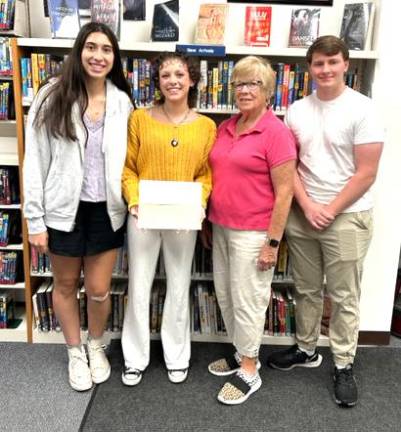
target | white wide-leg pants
[{"x": 143, "y": 249}]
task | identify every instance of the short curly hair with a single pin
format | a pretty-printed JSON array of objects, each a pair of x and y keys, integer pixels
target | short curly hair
[{"x": 192, "y": 64}]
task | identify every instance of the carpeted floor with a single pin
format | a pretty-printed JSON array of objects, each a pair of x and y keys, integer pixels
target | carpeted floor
[
  {"x": 299, "y": 400},
  {"x": 35, "y": 394}
]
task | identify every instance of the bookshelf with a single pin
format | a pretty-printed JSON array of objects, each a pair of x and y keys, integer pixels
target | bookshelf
[
  {"x": 9, "y": 161},
  {"x": 373, "y": 330}
]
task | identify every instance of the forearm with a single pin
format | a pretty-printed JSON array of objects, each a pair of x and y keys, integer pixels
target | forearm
[
  {"x": 280, "y": 214},
  {"x": 300, "y": 194},
  {"x": 356, "y": 187}
]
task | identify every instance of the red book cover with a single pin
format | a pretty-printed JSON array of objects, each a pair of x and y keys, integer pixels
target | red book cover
[{"x": 257, "y": 25}]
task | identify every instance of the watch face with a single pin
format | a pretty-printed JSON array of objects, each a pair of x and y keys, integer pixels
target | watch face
[{"x": 274, "y": 243}]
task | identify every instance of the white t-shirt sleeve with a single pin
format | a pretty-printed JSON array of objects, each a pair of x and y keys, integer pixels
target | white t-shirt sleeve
[{"x": 369, "y": 128}]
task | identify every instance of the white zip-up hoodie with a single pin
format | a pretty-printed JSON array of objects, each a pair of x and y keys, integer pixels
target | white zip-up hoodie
[{"x": 54, "y": 167}]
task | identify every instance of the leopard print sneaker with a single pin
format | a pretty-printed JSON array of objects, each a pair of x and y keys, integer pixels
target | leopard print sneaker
[{"x": 238, "y": 388}]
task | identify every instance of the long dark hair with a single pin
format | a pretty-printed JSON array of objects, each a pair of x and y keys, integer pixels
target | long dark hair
[
  {"x": 193, "y": 70},
  {"x": 70, "y": 86}
]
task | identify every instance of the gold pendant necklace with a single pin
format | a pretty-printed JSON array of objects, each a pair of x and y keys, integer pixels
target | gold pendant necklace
[{"x": 174, "y": 141}]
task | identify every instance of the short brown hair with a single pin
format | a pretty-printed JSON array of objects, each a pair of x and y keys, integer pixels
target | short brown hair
[
  {"x": 327, "y": 45},
  {"x": 192, "y": 64}
]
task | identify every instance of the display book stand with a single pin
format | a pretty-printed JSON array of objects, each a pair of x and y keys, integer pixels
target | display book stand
[{"x": 23, "y": 47}]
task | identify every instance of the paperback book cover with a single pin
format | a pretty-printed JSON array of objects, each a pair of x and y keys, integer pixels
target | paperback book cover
[
  {"x": 165, "y": 22},
  {"x": 64, "y": 18},
  {"x": 257, "y": 25},
  {"x": 107, "y": 12},
  {"x": 304, "y": 27},
  {"x": 134, "y": 10},
  {"x": 357, "y": 25},
  {"x": 211, "y": 24}
]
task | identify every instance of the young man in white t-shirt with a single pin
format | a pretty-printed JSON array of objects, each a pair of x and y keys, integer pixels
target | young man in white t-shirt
[{"x": 330, "y": 225}]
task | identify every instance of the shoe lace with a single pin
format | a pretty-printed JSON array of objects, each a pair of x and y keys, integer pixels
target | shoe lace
[
  {"x": 78, "y": 359},
  {"x": 132, "y": 371},
  {"x": 345, "y": 376},
  {"x": 96, "y": 353}
]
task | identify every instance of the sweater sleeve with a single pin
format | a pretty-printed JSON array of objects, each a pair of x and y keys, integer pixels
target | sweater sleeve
[
  {"x": 204, "y": 172},
  {"x": 36, "y": 166},
  {"x": 130, "y": 177}
]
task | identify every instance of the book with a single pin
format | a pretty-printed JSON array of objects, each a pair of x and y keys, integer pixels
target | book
[
  {"x": 165, "y": 22},
  {"x": 257, "y": 25},
  {"x": 357, "y": 25},
  {"x": 304, "y": 27},
  {"x": 134, "y": 10},
  {"x": 211, "y": 24},
  {"x": 64, "y": 18},
  {"x": 107, "y": 12}
]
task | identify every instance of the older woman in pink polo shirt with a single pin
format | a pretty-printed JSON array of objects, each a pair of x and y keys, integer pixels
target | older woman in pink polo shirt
[{"x": 253, "y": 163}]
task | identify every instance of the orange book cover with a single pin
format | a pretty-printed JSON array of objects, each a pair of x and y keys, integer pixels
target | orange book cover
[
  {"x": 211, "y": 24},
  {"x": 257, "y": 25}
]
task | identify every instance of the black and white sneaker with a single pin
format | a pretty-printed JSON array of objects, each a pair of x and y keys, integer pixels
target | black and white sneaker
[
  {"x": 131, "y": 376},
  {"x": 345, "y": 388},
  {"x": 293, "y": 357}
]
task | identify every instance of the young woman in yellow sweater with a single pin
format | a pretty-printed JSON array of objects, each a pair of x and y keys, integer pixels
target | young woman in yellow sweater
[{"x": 168, "y": 142}]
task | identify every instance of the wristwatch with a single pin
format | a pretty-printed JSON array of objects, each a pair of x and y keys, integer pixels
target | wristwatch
[{"x": 272, "y": 242}]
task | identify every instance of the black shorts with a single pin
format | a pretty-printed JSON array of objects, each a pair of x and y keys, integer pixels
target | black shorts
[{"x": 92, "y": 233}]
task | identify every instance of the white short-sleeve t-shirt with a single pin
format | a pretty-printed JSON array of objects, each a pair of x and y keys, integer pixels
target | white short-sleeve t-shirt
[{"x": 326, "y": 132}]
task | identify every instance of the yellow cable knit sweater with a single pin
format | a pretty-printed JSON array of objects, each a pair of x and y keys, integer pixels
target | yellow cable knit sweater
[{"x": 150, "y": 155}]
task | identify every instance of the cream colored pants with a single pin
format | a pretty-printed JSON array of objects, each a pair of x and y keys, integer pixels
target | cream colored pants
[
  {"x": 337, "y": 252},
  {"x": 243, "y": 291}
]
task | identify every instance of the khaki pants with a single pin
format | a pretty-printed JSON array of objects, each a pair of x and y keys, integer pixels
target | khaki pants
[
  {"x": 243, "y": 291},
  {"x": 337, "y": 252}
]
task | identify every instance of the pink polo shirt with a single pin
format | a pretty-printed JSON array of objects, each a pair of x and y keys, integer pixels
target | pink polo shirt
[{"x": 242, "y": 195}]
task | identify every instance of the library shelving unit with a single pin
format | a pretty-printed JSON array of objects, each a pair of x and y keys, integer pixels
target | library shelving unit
[
  {"x": 9, "y": 159},
  {"x": 23, "y": 47}
]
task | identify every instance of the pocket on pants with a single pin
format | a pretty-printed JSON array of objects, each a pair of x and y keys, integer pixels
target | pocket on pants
[{"x": 354, "y": 242}]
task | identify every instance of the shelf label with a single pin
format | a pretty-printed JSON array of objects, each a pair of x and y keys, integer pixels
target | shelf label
[{"x": 202, "y": 50}]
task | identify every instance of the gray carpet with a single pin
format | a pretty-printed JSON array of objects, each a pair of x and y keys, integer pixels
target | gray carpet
[
  {"x": 299, "y": 400},
  {"x": 36, "y": 396}
]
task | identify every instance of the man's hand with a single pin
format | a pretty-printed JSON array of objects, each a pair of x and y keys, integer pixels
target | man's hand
[
  {"x": 39, "y": 241},
  {"x": 319, "y": 215}
]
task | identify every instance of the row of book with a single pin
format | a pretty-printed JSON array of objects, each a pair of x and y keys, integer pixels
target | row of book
[
  {"x": 7, "y": 309},
  {"x": 35, "y": 70},
  {"x": 214, "y": 90},
  {"x": 356, "y": 29},
  {"x": 41, "y": 265},
  {"x": 206, "y": 318},
  {"x": 9, "y": 185},
  {"x": 10, "y": 227},
  {"x": 202, "y": 264},
  {"x": 9, "y": 267},
  {"x": 7, "y": 11},
  {"x": 6, "y": 65}
]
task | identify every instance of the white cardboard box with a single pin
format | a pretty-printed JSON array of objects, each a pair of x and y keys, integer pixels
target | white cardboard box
[{"x": 170, "y": 205}]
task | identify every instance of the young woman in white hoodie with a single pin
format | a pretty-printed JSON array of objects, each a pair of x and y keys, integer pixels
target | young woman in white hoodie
[{"x": 76, "y": 141}]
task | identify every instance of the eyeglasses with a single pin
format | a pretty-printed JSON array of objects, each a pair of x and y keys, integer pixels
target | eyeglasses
[{"x": 250, "y": 85}]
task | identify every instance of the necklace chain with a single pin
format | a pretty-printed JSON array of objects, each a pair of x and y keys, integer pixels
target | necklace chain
[
  {"x": 174, "y": 141},
  {"x": 171, "y": 120}
]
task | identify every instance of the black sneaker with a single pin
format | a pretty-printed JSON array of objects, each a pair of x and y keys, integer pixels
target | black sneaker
[
  {"x": 293, "y": 357},
  {"x": 345, "y": 389}
]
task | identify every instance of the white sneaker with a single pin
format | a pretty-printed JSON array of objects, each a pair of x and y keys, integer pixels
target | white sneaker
[
  {"x": 177, "y": 376},
  {"x": 98, "y": 363},
  {"x": 131, "y": 376},
  {"x": 78, "y": 369}
]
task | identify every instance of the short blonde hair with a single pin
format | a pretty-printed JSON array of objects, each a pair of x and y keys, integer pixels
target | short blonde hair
[{"x": 255, "y": 67}]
